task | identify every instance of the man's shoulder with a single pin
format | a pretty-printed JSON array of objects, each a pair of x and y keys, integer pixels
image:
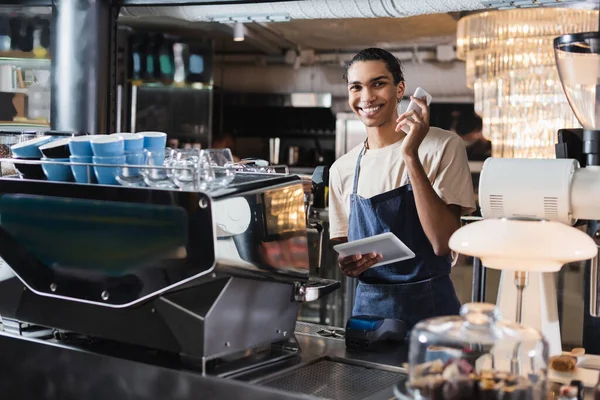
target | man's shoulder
[
  {"x": 438, "y": 141},
  {"x": 441, "y": 136},
  {"x": 348, "y": 160}
]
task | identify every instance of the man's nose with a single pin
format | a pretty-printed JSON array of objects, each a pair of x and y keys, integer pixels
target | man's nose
[{"x": 366, "y": 95}]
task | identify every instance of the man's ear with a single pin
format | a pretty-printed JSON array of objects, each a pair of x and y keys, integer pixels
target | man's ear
[{"x": 400, "y": 91}]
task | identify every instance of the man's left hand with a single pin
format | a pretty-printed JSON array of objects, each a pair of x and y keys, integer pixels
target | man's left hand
[{"x": 418, "y": 127}]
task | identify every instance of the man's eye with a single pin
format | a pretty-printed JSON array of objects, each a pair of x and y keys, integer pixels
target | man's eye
[
  {"x": 355, "y": 87},
  {"x": 377, "y": 84}
]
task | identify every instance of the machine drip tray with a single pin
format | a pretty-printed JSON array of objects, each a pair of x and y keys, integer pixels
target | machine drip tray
[
  {"x": 329, "y": 378},
  {"x": 309, "y": 329}
]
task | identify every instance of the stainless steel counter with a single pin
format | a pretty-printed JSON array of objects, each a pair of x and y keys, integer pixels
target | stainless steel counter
[
  {"x": 39, "y": 369},
  {"x": 326, "y": 369}
]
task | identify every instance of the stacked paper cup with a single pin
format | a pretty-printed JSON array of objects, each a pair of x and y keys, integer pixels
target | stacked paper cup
[{"x": 108, "y": 150}]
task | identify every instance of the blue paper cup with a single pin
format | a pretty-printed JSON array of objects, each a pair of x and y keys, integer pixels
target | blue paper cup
[
  {"x": 132, "y": 141},
  {"x": 30, "y": 148},
  {"x": 81, "y": 146},
  {"x": 57, "y": 172},
  {"x": 107, "y": 145},
  {"x": 107, "y": 175},
  {"x": 80, "y": 172},
  {"x": 154, "y": 140}
]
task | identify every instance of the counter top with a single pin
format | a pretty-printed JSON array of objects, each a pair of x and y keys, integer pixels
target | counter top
[
  {"x": 328, "y": 370},
  {"x": 324, "y": 368}
]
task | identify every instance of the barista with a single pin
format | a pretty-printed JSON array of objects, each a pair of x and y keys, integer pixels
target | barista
[{"x": 414, "y": 185}]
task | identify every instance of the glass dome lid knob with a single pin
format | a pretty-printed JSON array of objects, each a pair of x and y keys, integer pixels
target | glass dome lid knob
[{"x": 480, "y": 314}]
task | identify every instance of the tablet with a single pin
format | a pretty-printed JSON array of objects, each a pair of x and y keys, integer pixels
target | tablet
[{"x": 387, "y": 244}]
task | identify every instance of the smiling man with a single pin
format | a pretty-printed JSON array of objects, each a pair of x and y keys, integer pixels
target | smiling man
[{"x": 414, "y": 185}]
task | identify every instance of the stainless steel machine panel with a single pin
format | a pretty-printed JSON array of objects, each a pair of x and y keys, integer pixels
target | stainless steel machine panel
[{"x": 117, "y": 246}]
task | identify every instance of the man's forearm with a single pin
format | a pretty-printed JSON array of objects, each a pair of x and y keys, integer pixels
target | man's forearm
[{"x": 439, "y": 221}]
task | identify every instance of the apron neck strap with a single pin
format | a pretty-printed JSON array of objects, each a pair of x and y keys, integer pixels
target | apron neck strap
[{"x": 357, "y": 168}]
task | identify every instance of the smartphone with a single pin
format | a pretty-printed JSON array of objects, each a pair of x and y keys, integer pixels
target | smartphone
[{"x": 419, "y": 94}]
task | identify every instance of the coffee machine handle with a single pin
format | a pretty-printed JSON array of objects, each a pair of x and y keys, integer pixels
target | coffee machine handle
[
  {"x": 317, "y": 227},
  {"x": 314, "y": 289}
]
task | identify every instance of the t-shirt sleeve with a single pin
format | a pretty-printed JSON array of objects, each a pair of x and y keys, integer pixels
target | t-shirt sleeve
[
  {"x": 338, "y": 220},
  {"x": 453, "y": 182}
]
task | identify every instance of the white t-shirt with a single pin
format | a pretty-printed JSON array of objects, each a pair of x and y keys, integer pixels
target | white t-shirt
[{"x": 444, "y": 160}]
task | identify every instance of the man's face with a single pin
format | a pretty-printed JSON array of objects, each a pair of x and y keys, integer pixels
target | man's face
[{"x": 372, "y": 94}]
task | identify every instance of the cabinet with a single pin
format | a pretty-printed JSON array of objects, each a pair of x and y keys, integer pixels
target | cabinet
[{"x": 24, "y": 91}]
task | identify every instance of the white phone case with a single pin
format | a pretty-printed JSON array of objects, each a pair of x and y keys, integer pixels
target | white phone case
[
  {"x": 419, "y": 94},
  {"x": 387, "y": 244}
]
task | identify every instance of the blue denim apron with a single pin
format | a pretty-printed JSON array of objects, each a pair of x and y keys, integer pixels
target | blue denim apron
[{"x": 410, "y": 290}]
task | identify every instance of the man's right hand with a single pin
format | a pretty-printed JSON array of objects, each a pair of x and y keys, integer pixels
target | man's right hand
[{"x": 355, "y": 265}]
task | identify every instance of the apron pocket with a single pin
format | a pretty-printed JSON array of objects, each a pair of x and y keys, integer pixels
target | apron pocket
[
  {"x": 446, "y": 300},
  {"x": 409, "y": 302}
]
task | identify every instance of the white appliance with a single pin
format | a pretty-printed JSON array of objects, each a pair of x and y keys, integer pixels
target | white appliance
[
  {"x": 520, "y": 199},
  {"x": 526, "y": 194}
]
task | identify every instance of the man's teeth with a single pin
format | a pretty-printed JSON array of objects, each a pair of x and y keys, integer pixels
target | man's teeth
[{"x": 371, "y": 109}]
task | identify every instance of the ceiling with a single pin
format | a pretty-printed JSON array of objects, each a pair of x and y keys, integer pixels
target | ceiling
[
  {"x": 325, "y": 35},
  {"x": 352, "y": 34},
  {"x": 331, "y": 25}
]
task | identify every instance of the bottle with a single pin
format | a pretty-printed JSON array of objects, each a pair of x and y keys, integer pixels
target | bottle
[
  {"x": 149, "y": 54},
  {"x": 38, "y": 50},
  {"x": 45, "y": 40},
  {"x": 27, "y": 37},
  {"x": 196, "y": 72},
  {"x": 15, "y": 33},
  {"x": 138, "y": 58},
  {"x": 165, "y": 58},
  {"x": 179, "y": 75},
  {"x": 5, "y": 42}
]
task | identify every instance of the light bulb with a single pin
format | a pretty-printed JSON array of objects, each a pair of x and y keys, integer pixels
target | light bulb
[{"x": 238, "y": 32}]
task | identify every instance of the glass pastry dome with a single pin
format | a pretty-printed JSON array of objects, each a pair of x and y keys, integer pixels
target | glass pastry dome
[{"x": 476, "y": 355}]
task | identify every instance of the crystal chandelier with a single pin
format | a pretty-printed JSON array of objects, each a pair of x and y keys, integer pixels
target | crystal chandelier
[{"x": 511, "y": 68}]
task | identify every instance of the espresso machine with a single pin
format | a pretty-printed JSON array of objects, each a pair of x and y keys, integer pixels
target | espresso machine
[{"x": 207, "y": 277}]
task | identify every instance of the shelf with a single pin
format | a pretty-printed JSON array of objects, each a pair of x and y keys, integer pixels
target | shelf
[
  {"x": 159, "y": 85},
  {"x": 25, "y": 60},
  {"x": 26, "y": 122}
]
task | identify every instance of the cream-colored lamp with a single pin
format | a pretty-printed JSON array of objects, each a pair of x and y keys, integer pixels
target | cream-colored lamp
[{"x": 532, "y": 249}]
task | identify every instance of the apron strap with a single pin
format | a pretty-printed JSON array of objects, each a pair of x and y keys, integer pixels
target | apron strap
[{"x": 357, "y": 170}]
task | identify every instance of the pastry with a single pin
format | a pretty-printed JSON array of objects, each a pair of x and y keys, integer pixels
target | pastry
[{"x": 564, "y": 363}]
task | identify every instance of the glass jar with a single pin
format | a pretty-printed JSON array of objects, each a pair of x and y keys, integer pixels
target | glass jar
[
  {"x": 7, "y": 139},
  {"x": 477, "y": 355}
]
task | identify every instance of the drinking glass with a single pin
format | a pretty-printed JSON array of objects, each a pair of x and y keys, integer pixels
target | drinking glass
[
  {"x": 191, "y": 170},
  {"x": 222, "y": 164},
  {"x": 155, "y": 175}
]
